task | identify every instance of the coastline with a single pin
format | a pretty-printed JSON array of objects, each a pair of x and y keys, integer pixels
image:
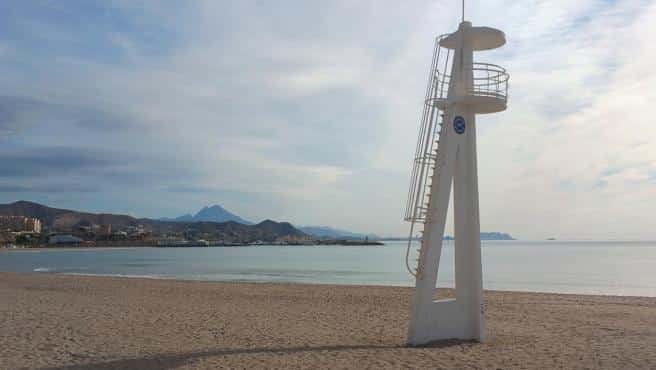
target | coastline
[
  {"x": 342, "y": 243},
  {"x": 53, "y": 321},
  {"x": 46, "y": 272}
]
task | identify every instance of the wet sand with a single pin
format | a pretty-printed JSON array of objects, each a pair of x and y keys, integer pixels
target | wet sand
[{"x": 52, "y": 321}]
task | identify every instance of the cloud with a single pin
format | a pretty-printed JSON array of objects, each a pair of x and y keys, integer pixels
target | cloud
[
  {"x": 47, "y": 189},
  {"x": 309, "y": 111},
  {"x": 53, "y": 160},
  {"x": 604, "y": 115}
]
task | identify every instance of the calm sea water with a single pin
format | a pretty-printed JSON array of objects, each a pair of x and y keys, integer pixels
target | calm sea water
[{"x": 615, "y": 268}]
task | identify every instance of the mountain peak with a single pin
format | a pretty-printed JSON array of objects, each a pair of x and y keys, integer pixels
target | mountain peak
[
  {"x": 213, "y": 213},
  {"x": 26, "y": 202},
  {"x": 215, "y": 207}
]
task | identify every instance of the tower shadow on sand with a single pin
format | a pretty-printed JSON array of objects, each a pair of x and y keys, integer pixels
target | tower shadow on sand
[{"x": 175, "y": 360}]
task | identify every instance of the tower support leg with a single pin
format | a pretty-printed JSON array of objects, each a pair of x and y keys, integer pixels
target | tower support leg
[
  {"x": 468, "y": 267},
  {"x": 462, "y": 317}
]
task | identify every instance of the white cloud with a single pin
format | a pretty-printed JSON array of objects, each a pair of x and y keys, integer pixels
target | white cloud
[{"x": 312, "y": 108}]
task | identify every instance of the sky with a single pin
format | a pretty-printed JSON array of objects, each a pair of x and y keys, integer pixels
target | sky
[{"x": 308, "y": 111}]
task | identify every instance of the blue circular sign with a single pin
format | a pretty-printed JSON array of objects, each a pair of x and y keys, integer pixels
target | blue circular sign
[{"x": 459, "y": 125}]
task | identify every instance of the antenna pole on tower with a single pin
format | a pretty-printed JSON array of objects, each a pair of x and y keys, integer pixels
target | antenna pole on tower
[{"x": 463, "y": 10}]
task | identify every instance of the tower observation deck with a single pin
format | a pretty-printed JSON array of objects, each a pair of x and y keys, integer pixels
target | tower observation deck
[{"x": 483, "y": 86}]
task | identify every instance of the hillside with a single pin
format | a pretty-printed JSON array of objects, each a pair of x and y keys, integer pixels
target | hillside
[
  {"x": 332, "y": 233},
  {"x": 55, "y": 218}
]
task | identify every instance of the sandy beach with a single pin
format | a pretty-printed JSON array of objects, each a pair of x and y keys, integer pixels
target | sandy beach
[{"x": 74, "y": 322}]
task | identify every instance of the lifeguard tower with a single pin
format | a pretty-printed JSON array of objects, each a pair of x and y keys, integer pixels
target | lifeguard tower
[{"x": 446, "y": 155}]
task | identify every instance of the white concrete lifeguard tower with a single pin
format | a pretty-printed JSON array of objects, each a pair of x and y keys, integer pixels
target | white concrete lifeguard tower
[{"x": 446, "y": 154}]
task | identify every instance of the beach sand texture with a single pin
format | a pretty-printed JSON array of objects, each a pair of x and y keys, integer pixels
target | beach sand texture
[{"x": 74, "y": 322}]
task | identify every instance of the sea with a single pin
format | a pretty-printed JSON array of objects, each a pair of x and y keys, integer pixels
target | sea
[{"x": 580, "y": 267}]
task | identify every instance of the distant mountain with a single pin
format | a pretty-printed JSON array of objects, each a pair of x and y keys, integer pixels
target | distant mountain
[
  {"x": 496, "y": 236},
  {"x": 184, "y": 218},
  {"x": 215, "y": 213},
  {"x": 484, "y": 236},
  {"x": 64, "y": 220},
  {"x": 488, "y": 236},
  {"x": 331, "y": 233},
  {"x": 282, "y": 228}
]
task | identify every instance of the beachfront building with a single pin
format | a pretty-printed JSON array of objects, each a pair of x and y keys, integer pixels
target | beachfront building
[
  {"x": 20, "y": 224},
  {"x": 64, "y": 239},
  {"x": 458, "y": 90}
]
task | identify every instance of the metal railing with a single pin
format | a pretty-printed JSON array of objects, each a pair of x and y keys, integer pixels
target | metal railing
[
  {"x": 427, "y": 141},
  {"x": 427, "y": 144},
  {"x": 488, "y": 80}
]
